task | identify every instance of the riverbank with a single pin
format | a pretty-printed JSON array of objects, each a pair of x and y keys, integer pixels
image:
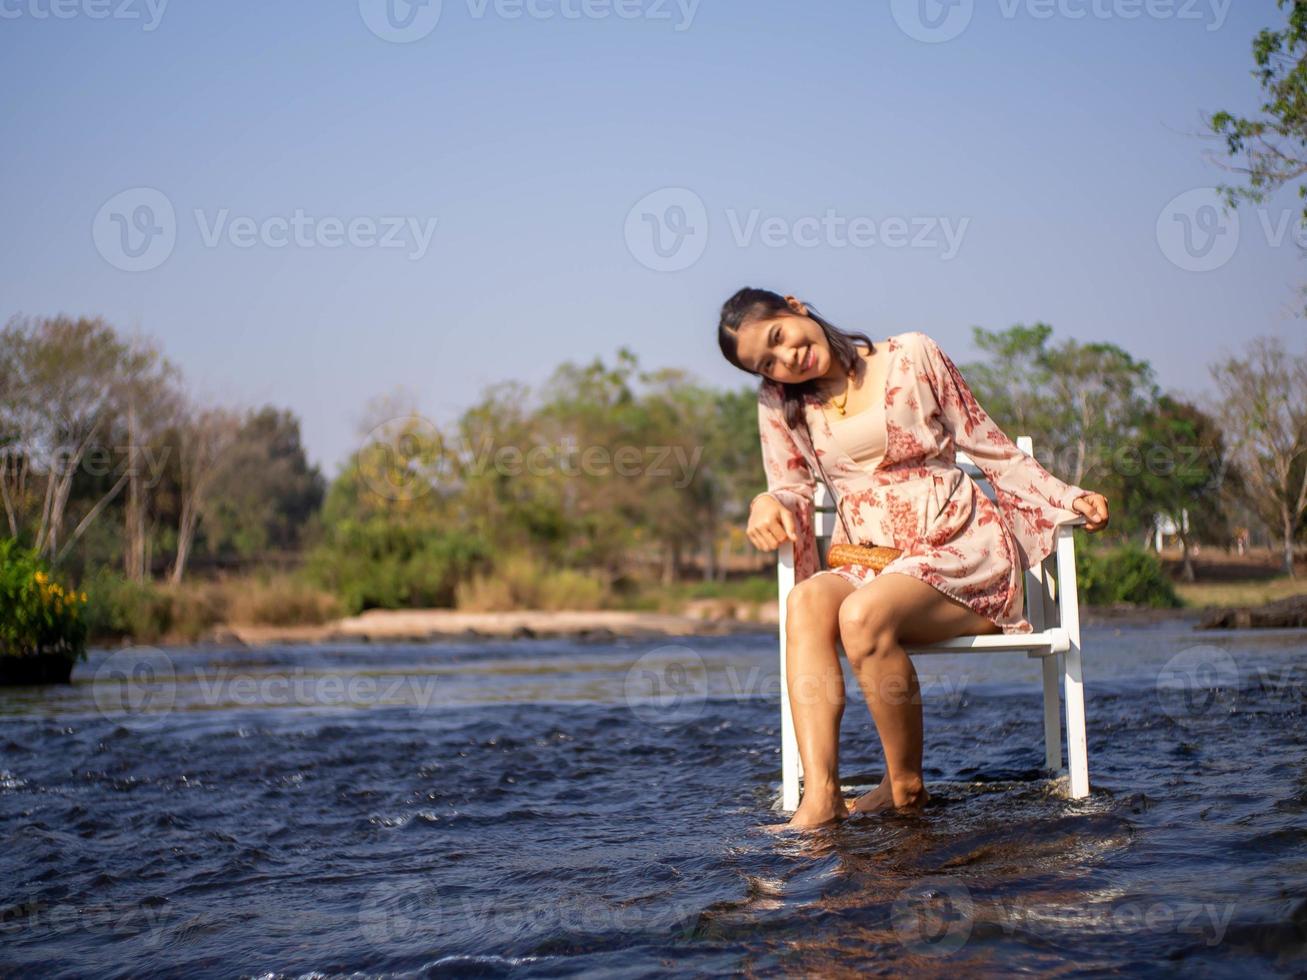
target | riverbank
[{"x": 701, "y": 618}]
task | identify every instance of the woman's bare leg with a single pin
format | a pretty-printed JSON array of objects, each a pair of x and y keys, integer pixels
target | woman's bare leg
[
  {"x": 815, "y": 683},
  {"x": 875, "y": 620}
]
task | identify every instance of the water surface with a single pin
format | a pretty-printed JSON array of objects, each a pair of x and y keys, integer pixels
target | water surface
[{"x": 549, "y": 808}]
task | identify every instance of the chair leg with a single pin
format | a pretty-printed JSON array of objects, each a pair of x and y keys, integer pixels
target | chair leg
[
  {"x": 1077, "y": 748},
  {"x": 1052, "y": 717},
  {"x": 790, "y": 767}
]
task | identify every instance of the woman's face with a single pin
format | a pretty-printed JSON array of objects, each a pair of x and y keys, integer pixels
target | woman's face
[{"x": 789, "y": 348}]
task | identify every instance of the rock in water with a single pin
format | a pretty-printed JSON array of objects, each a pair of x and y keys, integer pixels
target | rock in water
[{"x": 1290, "y": 613}]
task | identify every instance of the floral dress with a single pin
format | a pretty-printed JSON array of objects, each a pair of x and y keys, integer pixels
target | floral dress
[{"x": 917, "y": 498}]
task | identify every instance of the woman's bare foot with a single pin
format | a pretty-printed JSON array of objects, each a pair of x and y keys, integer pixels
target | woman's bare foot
[
  {"x": 818, "y": 809},
  {"x": 912, "y": 797},
  {"x": 879, "y": 798}
]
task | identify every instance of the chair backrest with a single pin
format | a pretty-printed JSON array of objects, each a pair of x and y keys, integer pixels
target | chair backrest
[{"x": 825, "y": 515}]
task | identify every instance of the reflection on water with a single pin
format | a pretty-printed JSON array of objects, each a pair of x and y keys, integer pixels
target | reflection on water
[{"x": 545, "y": 807}]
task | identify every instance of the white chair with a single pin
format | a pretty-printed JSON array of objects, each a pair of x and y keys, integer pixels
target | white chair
[{"x": 1052, "y": 607}]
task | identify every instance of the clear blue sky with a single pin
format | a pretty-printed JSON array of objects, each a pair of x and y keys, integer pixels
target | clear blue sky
[{"x": 1055, "y": 143}]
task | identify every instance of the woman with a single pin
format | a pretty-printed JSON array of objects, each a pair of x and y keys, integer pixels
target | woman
[{"x": 881, "y": 426}]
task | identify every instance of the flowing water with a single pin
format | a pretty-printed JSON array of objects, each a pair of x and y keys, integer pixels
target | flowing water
[{"x": 550, "y": 808}]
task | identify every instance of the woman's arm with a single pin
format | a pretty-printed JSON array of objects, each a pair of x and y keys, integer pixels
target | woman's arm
[
  {"x": 980, "y": 437},
  {"x": 790, "y": 479}
]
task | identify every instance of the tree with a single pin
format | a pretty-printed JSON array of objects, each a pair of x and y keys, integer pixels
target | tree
[
  {"x": 205, "y": 440},
  {"x": 1178, "y": 469},
  {"x": 69, "y": 389},
  {"x": 1265, "y": 409},
  {"x": 1274, "y": 144},
  {"x": 266, "y": 491},
  {"x": 1081, "y": 404}
]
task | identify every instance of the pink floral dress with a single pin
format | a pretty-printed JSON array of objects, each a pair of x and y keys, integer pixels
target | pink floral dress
[{"x": 916, "y": 497}]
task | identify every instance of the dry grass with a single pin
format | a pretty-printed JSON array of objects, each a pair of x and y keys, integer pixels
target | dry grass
[
  {"x": 522, "y": 582},
  {"x": 278, "y": 601},
  {"x": 1200, "y": 594}
]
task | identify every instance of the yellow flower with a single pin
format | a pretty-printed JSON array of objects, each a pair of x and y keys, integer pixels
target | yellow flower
[
  {"x": 41, "y": 577},
  {"x": 83, "y": 596}
]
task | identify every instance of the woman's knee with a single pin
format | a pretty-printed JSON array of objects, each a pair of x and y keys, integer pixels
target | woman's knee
[
  {"x": 813, "y": 600},
  {"x": 867, "y": 629}
]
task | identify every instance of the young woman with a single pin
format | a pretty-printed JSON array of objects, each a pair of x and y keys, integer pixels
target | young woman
[{"x": 881, "y": 426}]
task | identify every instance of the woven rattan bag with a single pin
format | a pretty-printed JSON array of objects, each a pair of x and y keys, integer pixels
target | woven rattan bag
[{"x": 875, "y": 556}]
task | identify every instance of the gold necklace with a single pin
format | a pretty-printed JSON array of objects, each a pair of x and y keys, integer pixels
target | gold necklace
[{"x": 839, "y": 407}]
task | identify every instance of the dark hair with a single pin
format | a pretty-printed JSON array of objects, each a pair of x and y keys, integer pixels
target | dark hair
[{"x": 752, "y": 304}]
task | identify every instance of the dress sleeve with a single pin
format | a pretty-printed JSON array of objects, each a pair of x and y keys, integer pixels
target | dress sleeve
[
  {"x": 975, "y": 433},
  {"x": 790, "y": 479}
]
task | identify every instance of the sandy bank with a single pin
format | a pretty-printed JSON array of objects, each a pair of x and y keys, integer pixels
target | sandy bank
[
  {"x": 394, "y": 625},
  {"x": 705, "y": 617}
]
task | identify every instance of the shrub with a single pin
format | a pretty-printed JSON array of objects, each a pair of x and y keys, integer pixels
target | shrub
[
  {"x": 1126, "y": 573},
  {"x": 377, "y": 563},
  {"x": 279, "y": 601},
  {"x": 522, "y": 581},
  {"x": 38, "y": 615},
  {"x": 149, "y": 613}
]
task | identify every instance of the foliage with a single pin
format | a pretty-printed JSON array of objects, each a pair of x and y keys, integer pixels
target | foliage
[
  {"x": 1274, "y": 144},
  {"x": 522, "y": 581},
  {"x": 378, "y": 562},
  {"x": 38, "y": 615},
  {"x": 267, "y": 490},
  {"x": 1126, "y": 573}
]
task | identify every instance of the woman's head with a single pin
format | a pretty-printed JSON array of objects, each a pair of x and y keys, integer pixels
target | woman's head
[{"x": 783, "y": 340}]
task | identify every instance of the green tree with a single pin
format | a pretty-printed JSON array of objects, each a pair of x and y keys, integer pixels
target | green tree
[
  {"x": 1274, "y": 144},
  {"x": 1178, "y": 468}
]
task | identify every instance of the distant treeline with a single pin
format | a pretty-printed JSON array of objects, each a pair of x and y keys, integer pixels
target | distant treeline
[{"x": 604, "y": 476}]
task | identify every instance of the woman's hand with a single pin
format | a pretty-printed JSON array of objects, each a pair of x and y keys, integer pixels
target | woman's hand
[
  {"x": 1094, "y": 507},
  {"x": 770, "y": 523}
]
